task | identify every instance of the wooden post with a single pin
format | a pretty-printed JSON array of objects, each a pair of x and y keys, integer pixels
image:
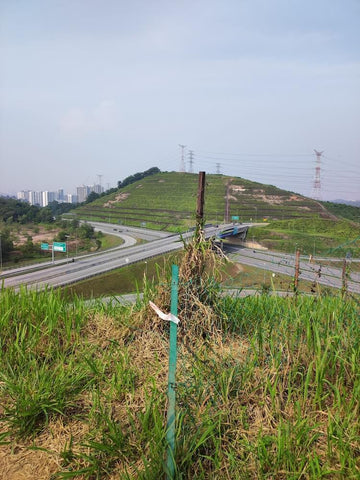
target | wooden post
[
  {"x": 343, "y": 278},
  {"x": 200, "y": 198},
  {"x": 297, "y": 270}
]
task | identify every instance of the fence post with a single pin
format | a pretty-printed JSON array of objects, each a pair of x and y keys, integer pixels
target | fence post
[
  {"x": 344, "y": 278},
  {"x": 297, "y": 270},
  {"x": 170, "y": 426}
]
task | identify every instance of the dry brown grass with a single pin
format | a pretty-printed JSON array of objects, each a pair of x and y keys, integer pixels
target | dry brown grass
[{"x": 29, "y": 460}]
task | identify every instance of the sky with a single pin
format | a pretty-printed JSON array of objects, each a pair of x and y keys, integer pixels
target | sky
[{"x": 110, "y": 88}]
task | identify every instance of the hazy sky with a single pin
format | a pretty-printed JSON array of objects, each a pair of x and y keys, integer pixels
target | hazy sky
[{"x": 111, "y": 87}]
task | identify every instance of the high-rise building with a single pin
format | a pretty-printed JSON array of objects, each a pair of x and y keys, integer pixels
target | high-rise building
[
  {"x": 32, "y": 197},
  {"x": 47, "y": 197},
  {"x": 82, "y": 193},
  {"x": 60, "y": 195},
  {"x": 38, "y": 198},
  {"x": 23, "y": 195},
  {"x": 97, "y": 188},
  {"x": 70, "y": 198}
]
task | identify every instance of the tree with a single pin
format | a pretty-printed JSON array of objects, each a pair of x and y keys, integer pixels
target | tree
[
  {"x": 138, "y": 176},
  {"x": 61, "y": 236},
  {"x": 45, "y": 215},
  {"x": 75, "y": 223},
  {"x": 7, "y": 245},
  {"x": 91, "y": 197},
  {"x": 28, "y": 248},
  {"x": 86, "y": 231}
]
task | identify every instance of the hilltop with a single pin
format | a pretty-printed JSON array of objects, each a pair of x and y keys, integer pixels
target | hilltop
[{"x": 167, "y": 201}]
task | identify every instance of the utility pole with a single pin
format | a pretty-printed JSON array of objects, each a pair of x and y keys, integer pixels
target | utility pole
[
  {"x": 182, "y": 162},
  {"x": 191, "y": 161}
]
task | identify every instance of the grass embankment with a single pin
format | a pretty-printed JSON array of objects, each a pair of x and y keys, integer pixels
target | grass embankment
[
  {"x": 316, "y": 236},
  {"x": 133, "y": 278},
  {"x": 275, "y": 393},
  {"x": 110, "y": 241},
  {"x": 128, "y": 279}
]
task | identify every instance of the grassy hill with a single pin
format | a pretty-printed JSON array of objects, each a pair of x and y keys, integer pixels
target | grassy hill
[{"x": 167, "y": 201}]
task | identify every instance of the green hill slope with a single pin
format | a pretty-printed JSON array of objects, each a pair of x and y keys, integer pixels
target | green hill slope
[{"x": 167, "y": 201}]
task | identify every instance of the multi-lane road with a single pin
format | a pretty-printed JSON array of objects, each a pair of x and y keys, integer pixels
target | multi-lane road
[
  {"x": 63, "y": 273},
  {"x": 158, "y": 243}
]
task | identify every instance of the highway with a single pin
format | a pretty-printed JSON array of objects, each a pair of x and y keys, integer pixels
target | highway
[
  {"x": 285, "y": 264},
  {"x": 129, "y": 233},
  {"x": 62, "y": 273},
  {"x": 95, "y": 264}
]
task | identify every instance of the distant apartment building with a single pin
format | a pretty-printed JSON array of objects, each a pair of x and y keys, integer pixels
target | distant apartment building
[
  {"x": 70, "y": 198},
  {"x": 60, "y": 197},
  {"x": 47, "y": 197},
  {"x": 38, "y": 198},
  {"x": 23, "y": 195},
  {"x": 43, "y": 198},
  {"x": 82, "y": 193},
  {"x": 32, "y": 197},
  {"x": 97, "y": 189}
]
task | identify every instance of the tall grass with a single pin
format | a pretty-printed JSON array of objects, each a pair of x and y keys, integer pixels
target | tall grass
[{"x": 275, "y": 394}]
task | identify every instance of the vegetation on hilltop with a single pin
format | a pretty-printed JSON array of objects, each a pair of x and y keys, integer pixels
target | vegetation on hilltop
[
  {"x": 342, "y": 210},
  {"x": 137, "y": 176}
]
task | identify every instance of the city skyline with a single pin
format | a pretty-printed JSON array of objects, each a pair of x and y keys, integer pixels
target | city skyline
[
  {"x": 114, "y": 87},
  {"x": 43, "y": 197}
]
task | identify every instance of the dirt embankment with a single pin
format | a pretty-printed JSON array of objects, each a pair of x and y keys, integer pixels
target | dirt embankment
[{"x": 37, "y": 237}]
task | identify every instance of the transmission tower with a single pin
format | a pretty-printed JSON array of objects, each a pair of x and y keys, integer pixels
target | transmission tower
[
  {"x": 317, "y": 180},
  {"x": 191, "y": 161},
  {"x": 182, "y": 162},
  {"x": 218, "y": 167}
]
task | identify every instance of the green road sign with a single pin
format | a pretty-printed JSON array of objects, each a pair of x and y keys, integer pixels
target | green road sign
[
  {"x": 235, "y": 217},
  {"x": 59, "y": 247},
  {"x": 44, "y": 246}
]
